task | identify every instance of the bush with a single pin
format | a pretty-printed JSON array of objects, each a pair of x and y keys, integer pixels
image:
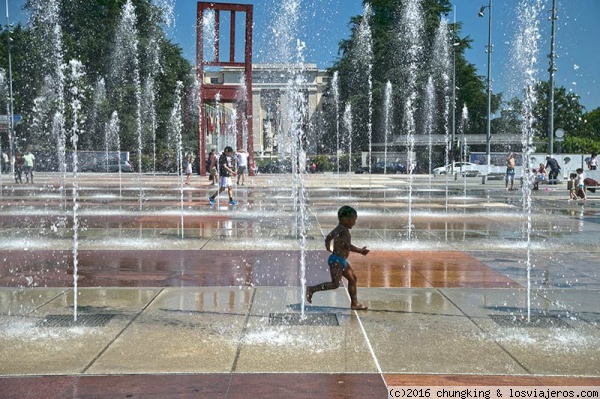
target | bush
[{"x": 324, "y": 164}]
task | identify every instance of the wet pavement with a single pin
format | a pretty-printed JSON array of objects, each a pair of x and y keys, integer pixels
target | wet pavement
[{"x": 177, "y": 298}]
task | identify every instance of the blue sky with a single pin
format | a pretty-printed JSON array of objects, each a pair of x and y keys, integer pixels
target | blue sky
[{"x": 325, "y": 23}]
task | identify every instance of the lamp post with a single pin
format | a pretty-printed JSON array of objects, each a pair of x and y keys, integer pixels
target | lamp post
[
  {"x": 453, "y": 141},
  {"x": 552, "y": 69},
  {"x": 489, "y": 71},
  {"x": 10, "y": 95}
]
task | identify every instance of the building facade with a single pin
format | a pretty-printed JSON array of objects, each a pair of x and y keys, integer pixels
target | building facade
[{"x": 270, "y": 121}]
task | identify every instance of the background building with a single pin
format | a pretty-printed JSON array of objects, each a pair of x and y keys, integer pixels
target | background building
[{"x": 270, "y": 83}]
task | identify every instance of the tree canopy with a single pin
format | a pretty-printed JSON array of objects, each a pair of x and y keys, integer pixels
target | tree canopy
[
  {"x": 88, "y": 33},
  {"x": 389, "y": 64}
]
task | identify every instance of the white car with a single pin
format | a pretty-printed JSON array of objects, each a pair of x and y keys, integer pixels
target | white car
[{"x": 466, "y": 168}]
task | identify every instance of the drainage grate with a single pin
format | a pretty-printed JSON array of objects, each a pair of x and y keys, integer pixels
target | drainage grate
[
  {"x": 309, "y": 319},
  {"x": 83, "y": 320},
  {"x": 537, "y": 321}
]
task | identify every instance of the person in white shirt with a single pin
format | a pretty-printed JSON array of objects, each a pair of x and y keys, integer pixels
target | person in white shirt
[
  {"x": 28, "y": 159},
  {"x": 242, "y": 162},
  {"x": 580, "y": 184}
]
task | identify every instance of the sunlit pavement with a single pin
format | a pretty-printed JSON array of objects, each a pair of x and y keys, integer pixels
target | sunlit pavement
[{"x": 177, "y": 298}]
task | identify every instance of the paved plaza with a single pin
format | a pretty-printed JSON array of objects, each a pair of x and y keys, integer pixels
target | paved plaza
[{"x": 176, "y": 298}]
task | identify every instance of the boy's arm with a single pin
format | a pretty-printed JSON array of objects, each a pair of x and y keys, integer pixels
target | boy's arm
[
  {"x": 362, "y": 251},
  {"x": 328, "y": 240}
]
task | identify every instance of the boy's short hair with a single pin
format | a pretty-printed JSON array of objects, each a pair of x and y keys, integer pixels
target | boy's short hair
[
  {"x": 346, "y": 212},
  {"x": 228, "y": 149}
]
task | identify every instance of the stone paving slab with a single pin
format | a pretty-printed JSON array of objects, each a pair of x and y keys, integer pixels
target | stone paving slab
[
  {"x": 223, "y": 330},
  {"x": 432, "y": 319}
]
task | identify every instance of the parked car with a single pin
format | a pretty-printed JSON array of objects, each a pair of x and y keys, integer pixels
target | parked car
[
  {"x": 389, "y": 167},
  {"x": 466, "y": 168},
  {"x": 114, "y": 167}
]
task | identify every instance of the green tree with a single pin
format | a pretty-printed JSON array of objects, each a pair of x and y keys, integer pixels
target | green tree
[
  {"x": 591, "y": 124},
  {"x": 88, "y": 35},
  {"x": 387, "y": 41},
  {"x": 568, "y": 114}
]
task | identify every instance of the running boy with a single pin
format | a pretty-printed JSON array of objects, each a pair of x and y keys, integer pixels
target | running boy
[
  {"x": 225, "y": 172},
  {"x": 338, "y": 242}
]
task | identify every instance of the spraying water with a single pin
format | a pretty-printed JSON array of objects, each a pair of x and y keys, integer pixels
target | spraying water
[
  {"x": 429, "y": 111},
  {"x": 365, "y": 59},
  {"x": 113, "y": 136},
  {"x": 290, "y": 51},
  {"x": 347, "y": 120},
  {"x": 464, "y": 124},
  {"x": 4, "y": 93},
  {"x": 48, "y": 39},
  {"x": 336, "y": 100},
  {"x": 525, "y": 59},
  {"x": 95, "y": 123},
  {"x": 411, "y": 32},
  {"x": 127, "y": 72},
  {"x": 241, "y": 109},
  {"x": 177, "y": 126},
  {"x": 388, "y": 110},
  {"x": 441, "y": 69},
  {"x": 149, "y": 99},
  {"x": 76, "y": 78}
]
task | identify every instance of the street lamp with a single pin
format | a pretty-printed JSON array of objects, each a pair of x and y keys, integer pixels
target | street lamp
[
  {"x": 455, "y": 43},
  {"x": 10, "y": 120},
  {"x": 552, "y": 69},
  {"x": 481, "y": 13}
]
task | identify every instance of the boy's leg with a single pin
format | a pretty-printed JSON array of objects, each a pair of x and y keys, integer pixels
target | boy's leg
[
  {"x": 351, "y": 277},
  {"x": 336, "y": 275},
  {"x": 219, "y": 191}
]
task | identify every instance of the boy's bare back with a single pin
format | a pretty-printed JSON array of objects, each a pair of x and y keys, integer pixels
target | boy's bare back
[{"x": 339, "y": 241}]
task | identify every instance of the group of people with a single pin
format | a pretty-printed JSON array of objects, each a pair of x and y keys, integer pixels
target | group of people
[
  {"x": 23, "y": 164},
  {"x": 550, "y": 171},
  {"x": 576, "y": 185}
]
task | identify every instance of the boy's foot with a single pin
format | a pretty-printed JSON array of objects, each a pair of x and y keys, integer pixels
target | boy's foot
[
  {"x": 211, "y": 200},
  {"x": 233, "y": 202},
  {"x": 309, "y": 295},
  {"x": 358, "y": 306}
]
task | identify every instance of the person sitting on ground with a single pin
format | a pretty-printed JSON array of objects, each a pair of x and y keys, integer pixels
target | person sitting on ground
[
  {"x": 541, "y": 174},
  {"x": 339, "y": 243}
]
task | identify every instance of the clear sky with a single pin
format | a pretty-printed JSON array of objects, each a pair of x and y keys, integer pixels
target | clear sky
[{"x": 326, "y": 23}]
